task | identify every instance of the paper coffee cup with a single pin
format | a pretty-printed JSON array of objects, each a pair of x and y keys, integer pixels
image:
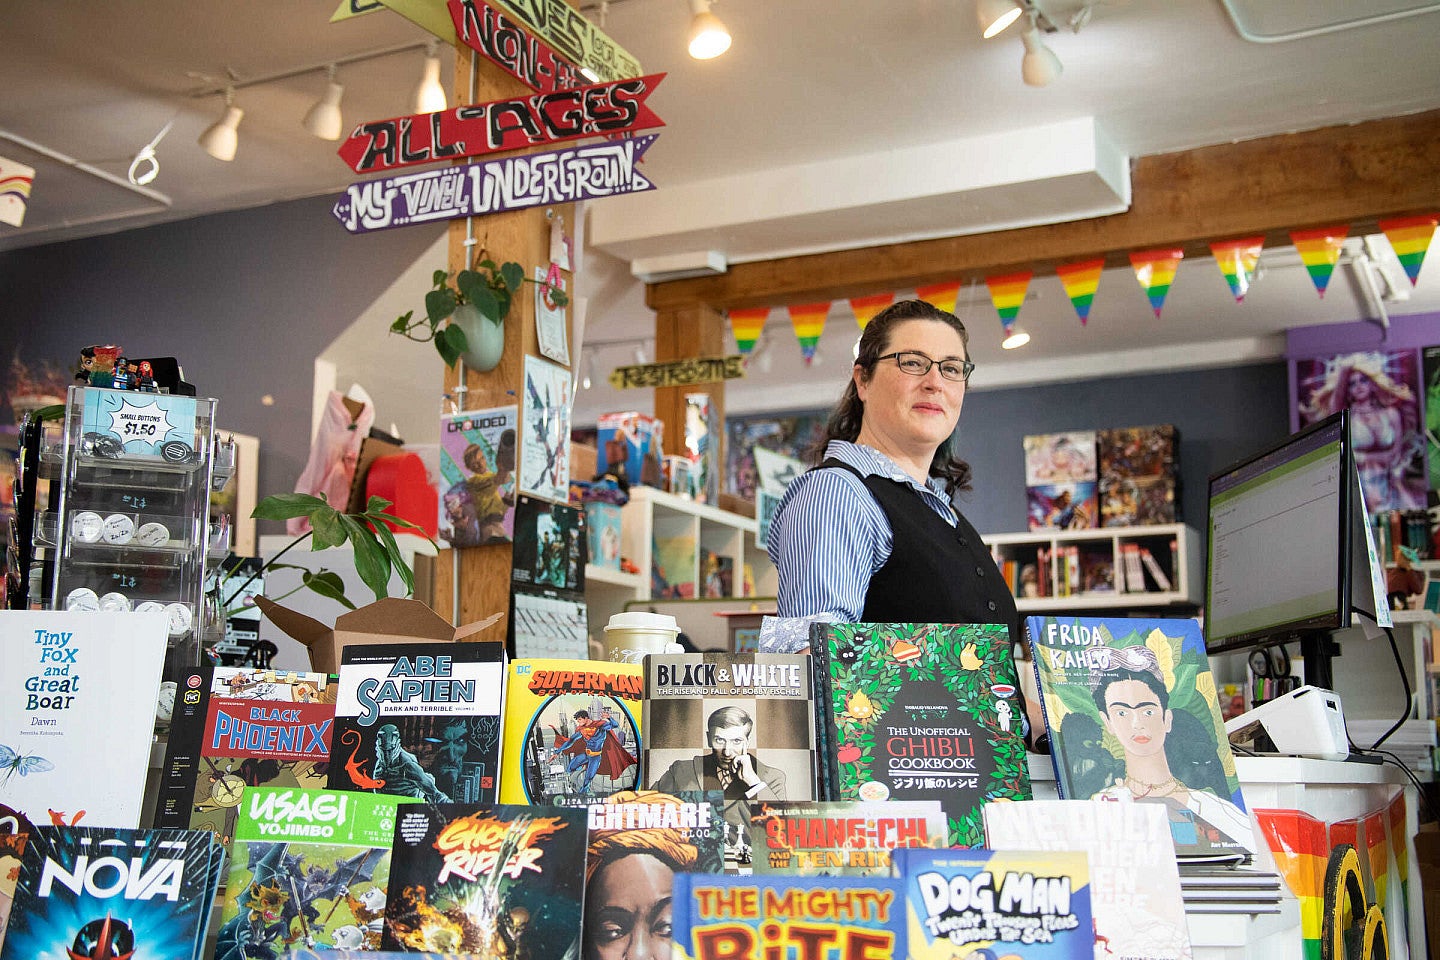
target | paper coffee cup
[{"x": 629, "y": 636}]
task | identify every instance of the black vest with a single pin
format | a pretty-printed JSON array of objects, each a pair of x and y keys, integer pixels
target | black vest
[{"x": 936, "y": 573}]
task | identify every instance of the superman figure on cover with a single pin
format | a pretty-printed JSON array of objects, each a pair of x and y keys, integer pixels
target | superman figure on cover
[{"x": 595, "y": 748}]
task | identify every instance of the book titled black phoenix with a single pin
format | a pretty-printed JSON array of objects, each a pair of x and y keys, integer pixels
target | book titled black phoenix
[{"x": 488, "y": 880}]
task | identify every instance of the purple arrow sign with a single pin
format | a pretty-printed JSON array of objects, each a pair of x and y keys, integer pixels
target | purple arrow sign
[{"x": 589, "y": 172}]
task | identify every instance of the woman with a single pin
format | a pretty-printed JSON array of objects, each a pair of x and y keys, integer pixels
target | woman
[
  {"x": 870, "y": 535},
  {"x": 1383, "y": 421}
]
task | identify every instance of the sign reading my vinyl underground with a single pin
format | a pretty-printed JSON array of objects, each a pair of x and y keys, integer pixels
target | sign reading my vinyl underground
[
  {"x": 500, "y": 125},
  {"x": 587, "y": 172}
]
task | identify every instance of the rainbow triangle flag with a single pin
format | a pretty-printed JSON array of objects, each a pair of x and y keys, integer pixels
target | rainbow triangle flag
[
  {"x": 1236, "y": 260},
  {"x": 1080, "y": 281},
  {"x": 866, "y": 307},
  {"x": 1302, "y": 853},
  {"x": 1319, "y": 249},
  {"x": 808, "y": 319},
  {"x": 746, "y": 326},
  {"x": 1410, "y": 236},
  {"x": 1007, "y": 292},
  {"x": 1155, "y": 269},
  {"x": 940, "y": 295},
  {"x": 15, "y": 182}
]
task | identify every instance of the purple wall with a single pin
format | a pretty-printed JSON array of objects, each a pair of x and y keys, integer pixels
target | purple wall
[{"x": 1413, "y": 332}]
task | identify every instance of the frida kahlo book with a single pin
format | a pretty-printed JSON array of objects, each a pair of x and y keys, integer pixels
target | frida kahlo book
[
  {"x": 573, "y": 730},
  {"x": 97, "y": 892},
  {"x": 923, "y": 711},
  {"x": 727, "y": 917},
  {"x": 419, "y": 720},
  {"x": 1135, "y": 894},
  {"x": 1132, "y": 713},
  {"x": 1007, "y": 903},
  {"x": 492, "y": 880},
  {"x": 839, "y": 838},
  {"x": 308, "y": 868},
  {"x": 237, "y": 727}
]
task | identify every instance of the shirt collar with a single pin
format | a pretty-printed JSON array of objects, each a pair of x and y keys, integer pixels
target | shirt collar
[{"x": 868, "y": 460}]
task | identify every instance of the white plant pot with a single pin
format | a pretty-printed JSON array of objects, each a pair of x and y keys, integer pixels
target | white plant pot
[{"x": 486, "y": 338}]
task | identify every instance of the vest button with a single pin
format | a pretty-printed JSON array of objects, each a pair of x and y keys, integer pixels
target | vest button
[
  {"x": 979, "y": 571},
  {"x": 964, "y": 542},
  {"x": 990, "y": 604}
]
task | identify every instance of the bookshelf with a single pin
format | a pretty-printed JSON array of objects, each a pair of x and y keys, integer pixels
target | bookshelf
[{"x": 1080, "y": 570}]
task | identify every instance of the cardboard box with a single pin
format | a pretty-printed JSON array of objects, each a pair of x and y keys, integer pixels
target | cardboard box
[
  {"x": 630, "y": 446},
  {"x": 391, "y": 620}
]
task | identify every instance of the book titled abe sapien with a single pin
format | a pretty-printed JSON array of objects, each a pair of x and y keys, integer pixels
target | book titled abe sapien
[{"x": 419, "y": 720}]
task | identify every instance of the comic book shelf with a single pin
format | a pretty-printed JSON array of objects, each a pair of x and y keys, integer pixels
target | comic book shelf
[
  {"x": 684, "y": 550},
  {"x": 1102, "y": 562}
]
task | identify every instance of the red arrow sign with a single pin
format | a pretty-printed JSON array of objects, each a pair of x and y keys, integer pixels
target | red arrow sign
[
  {"x": 501, "y": 125},
  {"x": 505, "y": 43}
]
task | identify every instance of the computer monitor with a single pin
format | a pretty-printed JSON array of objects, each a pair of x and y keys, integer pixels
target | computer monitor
[{"x": 1283, "y": 561}]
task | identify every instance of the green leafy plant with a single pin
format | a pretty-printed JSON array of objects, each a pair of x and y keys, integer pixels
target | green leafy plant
[{"x": 488, "y": 287}]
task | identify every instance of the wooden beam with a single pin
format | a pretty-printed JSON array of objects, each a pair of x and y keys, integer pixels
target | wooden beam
[
  {"x": 696, "y": 331},
  {"x": 1354, "y": 174}
]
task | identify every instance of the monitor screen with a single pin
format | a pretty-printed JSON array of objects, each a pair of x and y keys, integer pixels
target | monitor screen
[{"x": 1279, "y": 540}]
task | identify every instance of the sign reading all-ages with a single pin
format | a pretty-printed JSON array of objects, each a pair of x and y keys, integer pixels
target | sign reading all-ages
[
  {"x": 505, "y": 43},
  {"x": 500, "y": 125},
  {"x": 588, "y": 172},
  {"x": 679, "y": 373},
  {"x": 573, "y": 37}
]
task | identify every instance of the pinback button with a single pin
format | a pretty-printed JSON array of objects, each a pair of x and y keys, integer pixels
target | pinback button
[
  {"x": 82, "y": 599},
  {"x": 152, "y": 534},
  {"x": 86, "y": 527},
  {"x": 118, "y": 529}
]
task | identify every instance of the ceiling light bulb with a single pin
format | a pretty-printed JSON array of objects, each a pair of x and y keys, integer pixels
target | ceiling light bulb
[
  {"x": 221, "y": 138},
  {"x": 640, "y": 359},
  {"x": 708, "y": 36},
  {"x": 1039, "y": 66},
  {"x": 996, "y": 15},
  {"x": 430, "y": 95},
  {"x": 1014, "y": 337},
  {"x": 323, "y": 118}
]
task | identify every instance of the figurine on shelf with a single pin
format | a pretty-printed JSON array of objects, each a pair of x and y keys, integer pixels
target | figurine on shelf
[
  {"x": 96, "y": 365},
  {"x": 145, "y": 378},
  {"x": 121, "y": 379}
]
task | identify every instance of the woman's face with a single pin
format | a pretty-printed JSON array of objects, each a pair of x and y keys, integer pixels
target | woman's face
[
  {"x": 627, "y": 910},
  {"x": 913, "y": 413},
  {"x": 1358, "y": 387},
  {"x": 1133, "y": 713}
]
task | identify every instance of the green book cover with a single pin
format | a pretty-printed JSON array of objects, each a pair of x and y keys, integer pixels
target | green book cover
[{"x": 925, "y": 711}]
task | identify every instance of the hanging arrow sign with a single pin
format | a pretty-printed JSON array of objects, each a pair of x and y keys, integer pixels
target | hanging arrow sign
[
  {"x": 573, "y": 37},
  {"x": 678, "y": 373},
  {"x": 501, "y": 125},
  {"x": 589, "y": 172},
  {"x": 505, "y": 43}
]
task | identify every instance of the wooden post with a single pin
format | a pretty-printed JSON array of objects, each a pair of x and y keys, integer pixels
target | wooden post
[
  {"x": 692, "y": 331},
  {"x": 483, "y": 584}
]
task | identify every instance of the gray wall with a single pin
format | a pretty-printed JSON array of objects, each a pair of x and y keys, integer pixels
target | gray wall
[{"x": 245, "y": 300}]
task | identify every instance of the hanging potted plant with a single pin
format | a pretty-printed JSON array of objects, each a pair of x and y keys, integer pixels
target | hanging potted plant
[{"x": 466, "y": 318}]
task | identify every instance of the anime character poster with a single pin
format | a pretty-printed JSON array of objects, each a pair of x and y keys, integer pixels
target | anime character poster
[
  {"x": 1381, "y": 390},
  {"x": 477, "y": 476},
  {"x": 545, "y": 413},
  {"x": 793, "y": 436},
  {"x": 1432, "y": 413},
  {"x": 1061, "y": 475}
]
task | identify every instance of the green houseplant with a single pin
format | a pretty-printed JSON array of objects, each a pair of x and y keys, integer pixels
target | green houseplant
[{"x": 466, "y": 318}]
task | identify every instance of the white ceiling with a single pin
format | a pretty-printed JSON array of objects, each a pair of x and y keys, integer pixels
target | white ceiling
[{"x": 809, "y": 86}]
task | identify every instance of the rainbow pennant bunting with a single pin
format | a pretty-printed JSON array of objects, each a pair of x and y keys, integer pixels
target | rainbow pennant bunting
[
  {"x": 1236, "y": 260},
  {"x": 1302, "y": 853},
  {"x": 941, "y": 295},
  {"x": 746, "y": 326},
  {"x": 1007, "y": 292},
  {"x": 1155, "y": 269},
  {"x": 1319, "y": 249},
  {"x": 866, "y": 307},
  {"x": 1410, "y": 236},
  {"x": 808, "y": 319},
  {"x": 1080, "y": 281},
  {"x": 15, "y": 182}
]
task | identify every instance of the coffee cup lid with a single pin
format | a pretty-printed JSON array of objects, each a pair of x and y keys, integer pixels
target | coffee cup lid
[{"x": 641, "y": 620}]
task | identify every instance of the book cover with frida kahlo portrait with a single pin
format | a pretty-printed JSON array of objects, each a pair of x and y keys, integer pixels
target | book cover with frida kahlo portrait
[
  {"x": 1132, "y": 712},
  {"x": 923, "y": 711}
]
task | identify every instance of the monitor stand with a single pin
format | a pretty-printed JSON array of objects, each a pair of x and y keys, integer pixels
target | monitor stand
[{"x": 1319, "y": 648}]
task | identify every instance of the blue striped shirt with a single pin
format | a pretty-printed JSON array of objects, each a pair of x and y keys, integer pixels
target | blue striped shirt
[{"x": 829, "y": 536}]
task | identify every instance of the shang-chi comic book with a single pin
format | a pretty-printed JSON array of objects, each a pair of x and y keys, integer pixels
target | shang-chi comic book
[{"x": 839, "y": 838}]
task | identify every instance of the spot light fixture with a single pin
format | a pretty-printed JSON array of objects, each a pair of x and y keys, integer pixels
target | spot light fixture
[
  {"x": 222, "y": 137},
  {"x": 1015, "y": 337},
  {"x": 996, "y": 15},
  {"x": 430, "y": 94},
  {"x": 323, "y": 118},
  {"x": 708, "y": 36},
  {"x": 1039, "y": 66}
]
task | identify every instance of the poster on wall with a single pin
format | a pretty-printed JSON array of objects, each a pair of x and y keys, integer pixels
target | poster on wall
[
  {"x": 1381, "y": 388},
  {"x": 477, "y": 476},
  {"x": 1432, "y": 413},
  {"x": 550, "y": 321},
  {"x": 792, "y": 435},
  {"x": 545, "y": 454}
]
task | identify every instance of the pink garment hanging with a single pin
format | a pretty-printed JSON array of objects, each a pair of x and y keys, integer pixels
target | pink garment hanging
[{"x": 333, "y": 456}]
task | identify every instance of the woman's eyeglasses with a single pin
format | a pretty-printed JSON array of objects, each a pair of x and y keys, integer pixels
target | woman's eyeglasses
[{"x": 917, "y": 365}]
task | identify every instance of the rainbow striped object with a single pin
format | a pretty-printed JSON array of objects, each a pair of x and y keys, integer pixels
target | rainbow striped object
[
  {"x": 866, "y": 307},
  {"x": 808, "y": 319},
  {"x": 940, "y": 295},
  {"x": 746, "y": 326},
  {"x": 1410, "y": 236},
  {"x": 1155, "y": 269},
  {"x": 1007, "y": 292},
  {"x": 15, "y": 182},
  {"x": 1080, "y": 281},
  {"x": 1319, "y": 249},
  {"x": 1236, "y": 260}
]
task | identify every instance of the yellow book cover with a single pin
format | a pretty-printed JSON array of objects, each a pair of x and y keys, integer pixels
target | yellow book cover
[{"x": 572, "y": 730}]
